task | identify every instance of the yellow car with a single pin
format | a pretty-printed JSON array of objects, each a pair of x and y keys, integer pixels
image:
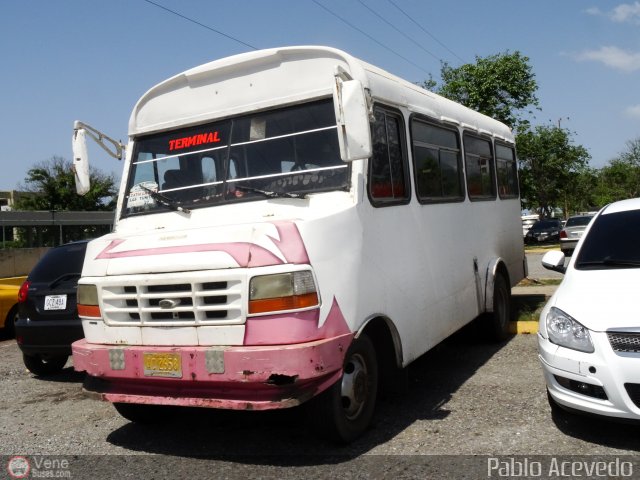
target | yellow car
[{"x": 9, "y": 304}]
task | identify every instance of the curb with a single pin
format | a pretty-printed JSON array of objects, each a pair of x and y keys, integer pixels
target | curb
[{"x": 523, "y": 328}]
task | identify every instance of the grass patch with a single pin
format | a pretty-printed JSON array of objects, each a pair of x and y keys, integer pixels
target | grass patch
[
  {"x": 530, "y": 315},
  {"x": 541, "y": 248}
]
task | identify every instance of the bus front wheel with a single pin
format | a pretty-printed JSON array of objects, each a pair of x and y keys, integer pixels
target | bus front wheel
[{"x": 344, "y": 411}]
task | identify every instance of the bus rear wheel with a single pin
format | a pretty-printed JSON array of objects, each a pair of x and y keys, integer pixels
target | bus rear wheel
[
  {"x": 343, "y": 412},
  {"x": 499, "y": 319}
]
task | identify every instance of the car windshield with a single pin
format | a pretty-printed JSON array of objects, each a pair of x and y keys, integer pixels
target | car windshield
[
  {"x": 612, "y": 242},
  {"x": 578, "y": 221},
  {"x": 289, "y": 152}
]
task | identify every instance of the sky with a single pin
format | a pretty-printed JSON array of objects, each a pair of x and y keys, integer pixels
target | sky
[{"x": 90, "y": 60}]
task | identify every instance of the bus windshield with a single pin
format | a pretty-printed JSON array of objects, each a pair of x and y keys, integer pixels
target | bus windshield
[{"x": 289, "y": 152}]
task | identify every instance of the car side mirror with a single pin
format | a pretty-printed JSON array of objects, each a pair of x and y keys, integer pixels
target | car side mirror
[{"x": 554, "y": 260}]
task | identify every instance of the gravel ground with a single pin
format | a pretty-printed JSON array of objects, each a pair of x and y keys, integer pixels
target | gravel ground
[{"x": 464, "y": 398}]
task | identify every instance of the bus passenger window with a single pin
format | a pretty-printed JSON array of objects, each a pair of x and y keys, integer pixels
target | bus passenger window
[
  {"x": 507, "y": 171},
  {"x": 480, "y": 168},
  {"x": 388, "y": 166},
  {"x": 437, "y": 163}
]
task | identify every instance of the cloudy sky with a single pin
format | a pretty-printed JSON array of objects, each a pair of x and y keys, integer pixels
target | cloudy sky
[{"x": 91, "y": 60}]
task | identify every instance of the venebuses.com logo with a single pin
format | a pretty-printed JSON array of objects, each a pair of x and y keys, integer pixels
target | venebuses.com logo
[
  {"x": 38, "y": 467},
  {"x": 18, "y": 467}
]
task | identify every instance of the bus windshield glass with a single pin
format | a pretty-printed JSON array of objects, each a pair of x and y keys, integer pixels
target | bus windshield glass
[{"x": 289, "y": 153}]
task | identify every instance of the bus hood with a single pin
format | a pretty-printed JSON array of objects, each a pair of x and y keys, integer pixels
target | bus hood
[{"x": 232, "y": 246}]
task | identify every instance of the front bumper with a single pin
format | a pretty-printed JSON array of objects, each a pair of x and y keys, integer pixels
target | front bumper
[
  {"x": 47, "y": 337},
  {"x": 603, "y": 370},
  {"x": 238, "y": 378},
  {"x": 568, "y": 244}
]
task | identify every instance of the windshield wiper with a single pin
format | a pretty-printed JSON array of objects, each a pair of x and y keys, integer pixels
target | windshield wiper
[
  {"x": 64, "y": 276},
  {"x": 609, "y": 262},
  {"x": 166, "y": 201},
  {"x": 270, "y": 194}
]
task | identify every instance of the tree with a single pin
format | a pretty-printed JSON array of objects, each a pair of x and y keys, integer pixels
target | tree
[
  {"x": 52, "y": 187},
  {"x": 553, "y": 171},
  {"x": 501, "y": 86},
  {"x": 620, "y": 179}
]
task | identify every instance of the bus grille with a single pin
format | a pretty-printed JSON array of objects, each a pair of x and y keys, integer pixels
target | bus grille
[
  {"x": 624, "y": 342},
  {"x": 174, "y": 303}
]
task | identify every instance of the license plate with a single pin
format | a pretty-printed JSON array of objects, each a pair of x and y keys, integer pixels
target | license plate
[
  {"x": 55, "y": 302},
  {"x": 162, "y": 365}
]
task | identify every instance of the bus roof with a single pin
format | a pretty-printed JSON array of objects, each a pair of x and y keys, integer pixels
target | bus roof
[{"x": 280, "y": 76}]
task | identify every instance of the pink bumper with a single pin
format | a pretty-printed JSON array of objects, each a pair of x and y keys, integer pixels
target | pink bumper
[{"x": 239, "y": 378}]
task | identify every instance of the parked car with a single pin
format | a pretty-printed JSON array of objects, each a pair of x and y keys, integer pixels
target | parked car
[
  {"x": 572, "y": 231},
  {"x": 544, "y": 231},
  {"x": 48, "y": 320},
  {"x": 9, "y": 304},
  {"x": 589, "y": 331},
  {"x": 527, "y": 223}
]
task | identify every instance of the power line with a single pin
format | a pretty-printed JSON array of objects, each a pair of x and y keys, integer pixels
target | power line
[
  {"x": 425, "y": 30},
  {"x": 398, "y": 30},
  {"x": 368, "y": 36},
  {"x": 201, "y": 24}
]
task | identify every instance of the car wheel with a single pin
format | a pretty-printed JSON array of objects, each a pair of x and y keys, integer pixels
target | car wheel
[
  {"x": 343, "y": 412},
  {"x": 143, "y": 413},
  {"x": 499, "y": 320},
  {"x": 44, "y": 366},
  {"x": 10, "y": 322}
]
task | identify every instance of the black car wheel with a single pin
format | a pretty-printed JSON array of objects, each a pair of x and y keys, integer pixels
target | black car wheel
[
  {"x": 44, "y": 366},
  {"x": 10, "y": 322}
]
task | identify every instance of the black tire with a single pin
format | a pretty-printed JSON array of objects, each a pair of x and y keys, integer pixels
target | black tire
[
  {"x": 44, "y": 366},
  {"x": 343, "y": 412},
  {"x": 10, "y": 322},
  {"x": 500, "y": 318},
  {"x": 145, "y": 414}
]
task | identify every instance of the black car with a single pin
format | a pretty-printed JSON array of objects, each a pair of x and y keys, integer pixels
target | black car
[
  {"x": 48, "y": 320},
  {"x": 544, "y": 231}
]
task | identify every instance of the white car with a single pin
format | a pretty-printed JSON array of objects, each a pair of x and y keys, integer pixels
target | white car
[{"x": 589, "y": 332}]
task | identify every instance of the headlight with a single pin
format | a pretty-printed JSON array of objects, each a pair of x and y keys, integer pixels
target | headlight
[
  {"x": 565, "y": 331},
  {"x": 282, "y": 291},
  {"x": 88, "y": 301}
]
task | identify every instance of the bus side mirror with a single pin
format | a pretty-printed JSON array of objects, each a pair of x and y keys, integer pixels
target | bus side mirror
[
  {"x": 81, "y": 161},
  {"x": 352, "y": 116}
]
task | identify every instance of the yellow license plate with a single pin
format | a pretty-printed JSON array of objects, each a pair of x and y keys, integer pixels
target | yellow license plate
[{"x": 162, "y": 365}]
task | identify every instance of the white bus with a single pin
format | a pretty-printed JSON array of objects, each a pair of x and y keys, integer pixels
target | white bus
[{"x": 294, "y": 225}]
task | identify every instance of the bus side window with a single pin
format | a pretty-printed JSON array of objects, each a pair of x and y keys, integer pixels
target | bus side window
[
  {"x": 388, "y": 171},
  {"x": 437, "y": 162},
  {"x": 480, "y": 167},
  {"x": 507, "y": 171}
]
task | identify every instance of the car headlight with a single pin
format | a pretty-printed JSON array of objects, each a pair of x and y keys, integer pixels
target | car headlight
[
  {"x": 282, "y": 291},
  {"x": 565, "y": 331}
]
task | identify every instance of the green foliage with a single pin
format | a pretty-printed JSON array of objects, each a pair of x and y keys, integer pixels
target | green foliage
[
  {"x": 52, "y": 187},
  {"x": 620, "y": 179},
  {"x": 553, "y": 171},
  {"x": 501, "y": 86}
]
